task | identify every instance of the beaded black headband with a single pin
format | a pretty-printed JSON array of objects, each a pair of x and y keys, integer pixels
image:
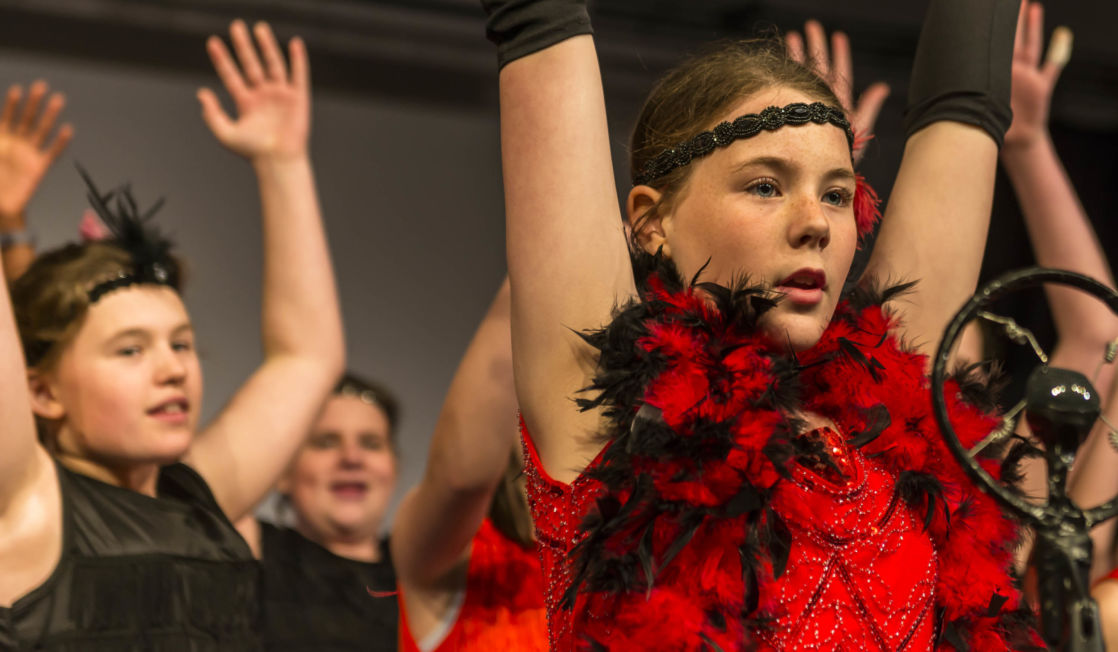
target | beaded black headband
[
  {"x": 149, "y": 250},
  {"x": 745, "y": 126}
]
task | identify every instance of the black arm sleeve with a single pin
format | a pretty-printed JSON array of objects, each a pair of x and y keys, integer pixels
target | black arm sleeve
[
  {"x": 963, "y": 66},
  {"x": 521, "y": 27}
]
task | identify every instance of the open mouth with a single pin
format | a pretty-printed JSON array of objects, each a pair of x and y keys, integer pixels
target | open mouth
[
  {"x": 349, "y": 489},
  {"x": 805, "y": 286},
  {"x": 173, "y": 410}
]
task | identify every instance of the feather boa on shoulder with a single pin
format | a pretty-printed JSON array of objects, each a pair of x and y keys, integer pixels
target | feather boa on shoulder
[{"x": 701, "y": 436}]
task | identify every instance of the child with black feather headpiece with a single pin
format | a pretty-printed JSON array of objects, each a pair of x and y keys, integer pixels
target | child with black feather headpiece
[{"x": 123, "y": 540}]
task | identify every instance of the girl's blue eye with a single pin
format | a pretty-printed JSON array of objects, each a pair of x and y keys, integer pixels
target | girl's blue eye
[
  {"x": 764, "y": 189},
  {"x": 837, "y": 197},
  {"x": 129, "y": 351},
  {"x": 182, "y": 346}
]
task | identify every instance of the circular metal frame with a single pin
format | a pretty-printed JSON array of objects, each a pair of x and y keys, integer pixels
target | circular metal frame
[{"x": 1006, "y": 284}]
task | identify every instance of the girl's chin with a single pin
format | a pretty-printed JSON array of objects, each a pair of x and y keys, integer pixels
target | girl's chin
[{"x": 799, "y": 332}]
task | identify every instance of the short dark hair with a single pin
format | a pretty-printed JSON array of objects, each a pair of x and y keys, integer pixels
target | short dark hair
[{"x": 373, "y": 393}]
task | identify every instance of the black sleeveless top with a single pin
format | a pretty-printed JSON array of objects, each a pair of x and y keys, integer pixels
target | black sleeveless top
[
  {"x": 165, "y": 574},
  {"x": 317, "y": 601}
]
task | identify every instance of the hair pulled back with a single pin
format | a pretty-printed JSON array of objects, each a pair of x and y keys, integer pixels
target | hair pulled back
[
  {"x": 695, "y": 96},
  {"x": 51, "y": 298}
]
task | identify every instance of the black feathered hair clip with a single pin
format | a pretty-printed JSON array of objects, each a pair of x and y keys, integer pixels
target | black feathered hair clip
[{"x": 132, "y": 232}]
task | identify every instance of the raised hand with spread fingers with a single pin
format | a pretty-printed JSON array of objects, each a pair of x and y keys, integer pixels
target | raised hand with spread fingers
[
  {"x": 835, "y": 65},
  {"x": 243, "y": 452},
  {"x": 273, "y": 103},
  {"x": 1034, "y": 80},
  {"x": 26, "y": 149}
]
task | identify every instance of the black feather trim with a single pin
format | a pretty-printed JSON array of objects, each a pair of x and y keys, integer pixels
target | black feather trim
[
  {"x": 877, "y": 420},
  {"x": 132, "y": 231},
  {"x": 980, "y": 383},
  {"x": 918, "y": 490}
]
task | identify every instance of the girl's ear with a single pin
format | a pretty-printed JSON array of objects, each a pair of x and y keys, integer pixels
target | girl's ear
[
  {"x": 645, "y": 220},
  {"x": 44, "y": 397}
]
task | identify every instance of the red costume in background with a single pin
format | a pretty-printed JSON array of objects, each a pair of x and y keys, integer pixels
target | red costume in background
[
  {"x": 711, "y": 520},
  {"x": 503, "y": 609}
]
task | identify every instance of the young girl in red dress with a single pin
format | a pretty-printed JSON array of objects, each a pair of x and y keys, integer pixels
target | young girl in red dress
[{"x": 744, "y": 456}]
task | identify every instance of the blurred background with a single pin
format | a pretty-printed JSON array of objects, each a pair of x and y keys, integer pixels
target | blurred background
[{"x": 405, "y": 144}]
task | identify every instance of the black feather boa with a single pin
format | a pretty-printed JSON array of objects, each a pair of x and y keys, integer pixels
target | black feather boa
[{"x": 699, "y": 442}]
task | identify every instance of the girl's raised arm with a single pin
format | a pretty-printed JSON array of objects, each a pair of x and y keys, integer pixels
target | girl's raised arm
[
  {"x": 934, "y": 228},
  {"x": 253, "y": 438},
  {"x": 21, "y": 457},
  {"x": 567, "y": 253},
  {"x": 474, "y": 437}
]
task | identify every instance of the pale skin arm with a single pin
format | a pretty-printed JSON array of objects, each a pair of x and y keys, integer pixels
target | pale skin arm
[
  {"x": 30, "y": 500},
  {"x": 253, "y": 438},
  {"x": 476, "y": 432},
  {"x": 1059, "y": 229},
  {"x": 1062, "y": 236},
  {"x": 934, "y": 228},
  {"x": 469, "y": 453},
  {"x": 21, "y": 457},
  {"x": 27, "y": 151},
  {"x": 567, "y": 254}
]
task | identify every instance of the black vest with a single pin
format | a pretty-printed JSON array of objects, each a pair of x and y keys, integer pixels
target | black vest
[
  {"x": 316, "y": 601},
  {"x": 165, "y": 574}
]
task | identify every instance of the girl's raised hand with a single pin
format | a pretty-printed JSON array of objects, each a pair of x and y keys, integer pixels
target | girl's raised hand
[
  {"x": 836, "y": 67},
  {"x": 1034, "y": 81},
  {"x": 26, "y": 149},
  {"x": 272, "y": 103}
]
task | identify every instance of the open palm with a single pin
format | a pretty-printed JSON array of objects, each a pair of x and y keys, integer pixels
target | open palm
[
  {"x": 273, "y": 108},
  {"x": 1033, "y": 81},
  {"x": 835, "y": 65},
  {"x": 25, "y": 155}
]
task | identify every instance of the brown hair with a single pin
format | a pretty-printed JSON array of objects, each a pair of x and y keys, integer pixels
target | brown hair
[
  {"x": 695, "y": 95},
  {"x": 51, "y": 298},
  {"x": 508, "y": 511},
  {"x": 375, "y": 394}
]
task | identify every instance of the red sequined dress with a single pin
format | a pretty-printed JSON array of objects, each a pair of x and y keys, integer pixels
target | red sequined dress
[
  {"x": 712, "y": 520},
  {"x": 503, "y": 609}
]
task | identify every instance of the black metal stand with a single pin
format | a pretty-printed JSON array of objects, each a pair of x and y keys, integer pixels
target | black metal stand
[{"x": 1061, "y": 408}]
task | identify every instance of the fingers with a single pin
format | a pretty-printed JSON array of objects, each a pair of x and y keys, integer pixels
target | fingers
[
  {"x": 817, "y": 48},
  {"x": 61, "y": 140},
  {"x": 1059, "y": 53},
  {"x": 1019, "y": 35},
  {"x": 214, "y": 116},
  {"x": 794, "y": 45},
  {"x": 869, "y": 106},
  {"x": 47, "y": 120},
  {"x": 246, "y": 52},
  {"x": 225, "y": 67},
  {"x": 300, "y": 66},
  {"x": 1034, "y": 33},
  {"x": 31, "y": 107},
  {"x": 273, "y": 57},
  {"x": 842, "y": 68},
  {"x": 11, "y": 102}
]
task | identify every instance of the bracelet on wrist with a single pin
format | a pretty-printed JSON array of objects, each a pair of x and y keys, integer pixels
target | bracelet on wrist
[{"x": 9, "y": 239}]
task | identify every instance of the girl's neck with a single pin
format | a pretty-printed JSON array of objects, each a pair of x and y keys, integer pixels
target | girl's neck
[
  {"x": 356, "y": 546},
  {"x": 141, "y": 478}
]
